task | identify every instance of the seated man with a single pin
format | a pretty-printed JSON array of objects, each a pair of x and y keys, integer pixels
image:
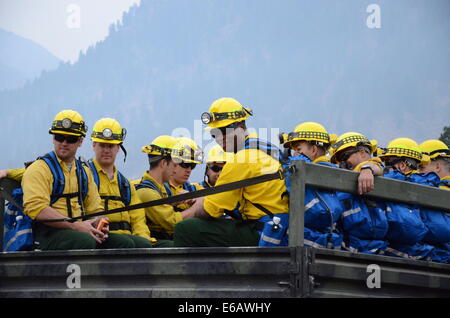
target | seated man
[
  {"x": 161, "y": 219},
  {"x": 310, "y": 142},
  {"x": 58, "y": 186},
  {"x": 438, "y": 223},
  {"x": 407, "y": 229},
  {"x": 439, "y": 155},
  {"x": 114, "y": 189},
  {"x": 252, "y": 158},
  {"x": 214, "y": 164},
  {"x": 190, "y": 155},
  {"x": 353, "y": 151},
  {"x": 363, "y": 221}
]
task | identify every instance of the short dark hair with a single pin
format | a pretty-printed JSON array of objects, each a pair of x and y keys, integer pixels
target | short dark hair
[{"x": 155, "y": 160}]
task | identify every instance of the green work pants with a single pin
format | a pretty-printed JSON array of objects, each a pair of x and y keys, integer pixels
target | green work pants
[
  {"x": 57, "y": 239},
  {"x": 215, "y": 232}
]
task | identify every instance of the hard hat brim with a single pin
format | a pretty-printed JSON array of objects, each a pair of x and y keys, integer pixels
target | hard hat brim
[
  {"x": 105, "y": 141},
  {"x": 64, "y": 132}
]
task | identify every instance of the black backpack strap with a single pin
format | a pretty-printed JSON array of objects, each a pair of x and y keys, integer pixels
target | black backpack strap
[
  {"x": 124, "y": 188},
  {"x": 260, "y": 207}
]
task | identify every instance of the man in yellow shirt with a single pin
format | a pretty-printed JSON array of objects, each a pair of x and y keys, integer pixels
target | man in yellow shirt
[
  {"x": 75, "y": 193},
  {"x": 190, "y": 156},
  {"x": 161, "y": 219},
  {"x": 226, "y": 122},
  {"x": 215, "y": 162},
  {"x": 439, "y": 155},
  {"x": 114, "y": 189}
]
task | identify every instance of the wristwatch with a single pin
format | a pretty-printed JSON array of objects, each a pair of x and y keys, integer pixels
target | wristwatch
[{"x": 367, "y": 167}]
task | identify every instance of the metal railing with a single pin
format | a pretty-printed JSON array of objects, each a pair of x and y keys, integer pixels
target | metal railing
[{"x": 314, "y": 175}]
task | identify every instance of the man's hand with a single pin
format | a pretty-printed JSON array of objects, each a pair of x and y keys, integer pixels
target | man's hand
[
  {"x": 365, "y": 181},
  {"x": 189, "y": 202},
  {"x": 196, "y": 211},
  {"x": 88, "y": 227}
]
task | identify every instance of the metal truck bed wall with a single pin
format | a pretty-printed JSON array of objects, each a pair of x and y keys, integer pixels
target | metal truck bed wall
[
  {"x": 237, "y": 272},
  {"x": 217, "y": 272}
]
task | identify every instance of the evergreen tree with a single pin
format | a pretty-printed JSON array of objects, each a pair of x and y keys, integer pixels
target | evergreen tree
[{"x": 445, "y": 136}]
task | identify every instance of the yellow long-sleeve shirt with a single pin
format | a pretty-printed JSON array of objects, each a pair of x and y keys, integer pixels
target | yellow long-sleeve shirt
[
  {"x": 161, "y": 218},
  {"x": 16, "y": 174},
  {"x": 37, "y": 184},
  {"x": 136, "y": 218},
  {"x": 445, "y": 183},
  {"x": 249, "y": 163}
]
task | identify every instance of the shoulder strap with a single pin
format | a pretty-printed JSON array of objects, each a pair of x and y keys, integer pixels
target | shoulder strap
[
  {"x": 260, "y": 207},
  {"x": 266, "y": 147},
  {"x": 124, "y": 187},
  {"x": 83, "y": 183},
  {"x": 58, "y": 175},
  {"x": 147, "y": 184},
  {"x": 94, "y": 173},
  {"x": 168, "y": 189},
  {"x": 189, "y": 187},
  {"x": 204, "y": 184}
]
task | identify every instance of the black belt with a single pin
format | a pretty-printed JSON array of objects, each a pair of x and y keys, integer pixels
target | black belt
[{"x": 115, "y": 226}]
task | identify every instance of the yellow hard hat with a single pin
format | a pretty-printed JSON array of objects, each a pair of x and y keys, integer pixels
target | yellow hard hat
[
  {"x": 163, "y": 146},
  {"x": 351, "y": 139},
  {"x": 404, "y": 147},
  {"x": 307, "y": 131},
  {"x": 108, "y": 130},
  {"x": 68, "y": 122},
  {"x": 435, "y": 149},
  {"x": 188, "y": 150},
  {"x": 217, "y": 154},
  {"x": 224, "y": 112}
]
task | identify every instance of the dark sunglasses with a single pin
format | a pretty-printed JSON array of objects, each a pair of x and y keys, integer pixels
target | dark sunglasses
[
  {"x": 344, "y": 157},
  {"x": 68, "y": 138},
  {"x": 215, "y": 168},
  {"x": 186, "y": 165}
]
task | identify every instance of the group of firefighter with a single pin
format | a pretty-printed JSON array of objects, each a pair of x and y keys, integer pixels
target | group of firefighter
[{"x": 58, "y": 186}]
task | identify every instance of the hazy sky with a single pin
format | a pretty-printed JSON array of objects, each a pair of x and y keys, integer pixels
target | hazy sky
[{"x": 64, "y": 27}]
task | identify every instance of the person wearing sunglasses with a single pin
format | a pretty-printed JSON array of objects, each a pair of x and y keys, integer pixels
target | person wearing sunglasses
[
  {"x": 363, "y": 221},
  {"x": 439, "y": 154},
  {"x": 115, "y": 190},
  {"x": 191, "y": 155},
  {"x": 163, "y": 156},
  {"x": 79, "y": 192},
  {"x": 216, "y": 160},
  {"x": 226, "y": 121}
]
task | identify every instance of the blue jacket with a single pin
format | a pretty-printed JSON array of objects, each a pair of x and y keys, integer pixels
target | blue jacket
[{"x": 405, "y": 223}]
